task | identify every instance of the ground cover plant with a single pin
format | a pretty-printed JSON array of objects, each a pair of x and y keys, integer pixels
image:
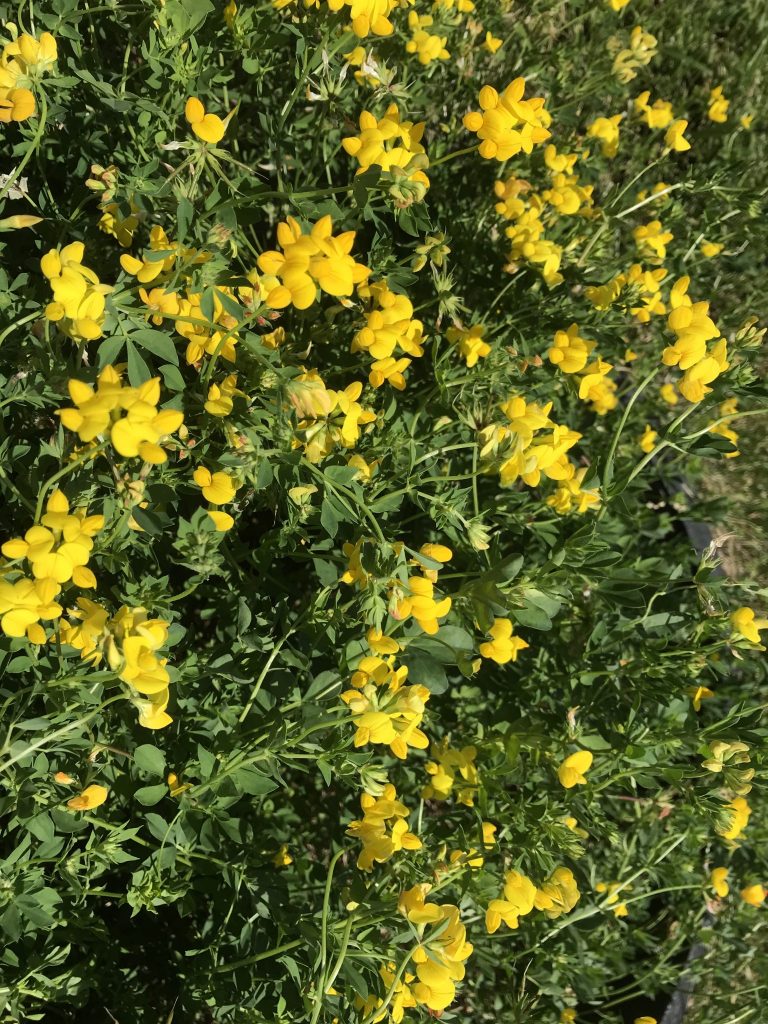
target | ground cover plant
[{"x": 362, "y": 364}]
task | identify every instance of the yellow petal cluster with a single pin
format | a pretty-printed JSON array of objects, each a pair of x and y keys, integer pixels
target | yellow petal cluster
[
  {"x": 127, "y": 417},
  {"x": 310, "y": 262},
  {"x": 79, "y": 302}
]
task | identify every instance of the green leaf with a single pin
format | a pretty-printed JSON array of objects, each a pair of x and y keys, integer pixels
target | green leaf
[
  {"x": 148, "y": 796},
  {"x": 138, "y": 371},
  {"x": 158, "y": 343},
  {"x": 253, "y": 782},
  {"x": 150, "y": 759},
  {"x": 328, "y": 519}
]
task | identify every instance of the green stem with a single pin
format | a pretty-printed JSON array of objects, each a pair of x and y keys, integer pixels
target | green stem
[
  {"x": 608, "y": 472},
  {"x": 453, "y": 156},
  {"x": 14, "y": 175},
  {"x": 275, "y": 951}
]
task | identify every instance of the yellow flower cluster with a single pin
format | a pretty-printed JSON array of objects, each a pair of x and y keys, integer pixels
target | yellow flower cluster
[
  {"x": 442, "y": 948},
  {"x": 451, "y": 767},
  {"x": 417, "y": 600},
  {"x": 639, "y": 53},
  {"x": 309, "y": 262},
  {"x": 503, "y": 645},
  {"x": 507, "y": 124},
  {"x": 739, "y": 812},
  {"x": 570, "y": 352},
  {"x": 127, "y": 417},
  {"x": 22, "y": 62},
  {"x": 391, "y": 144},
  {"x": 327, "y": 419},
  {"x": 57, "y": 550},
  {"x": 128, "y": 642},
  {"x": 557, "y": 895},
  {"x": 384, "y": 710},
  {"x": 565, "y": 194},
  {"x": 690, "y": 323},
  {"x": 426, "y": 45},
  {"x": 209, "y": 325},
  {"x": 718, "y": 106},
  {"x": 60, "y": 546},
  {"x": 652, "y": 240},
  {"x": 390, "y": 325},
  {"x": 383, "y": 830},
  {"x": 469, "y": 342},
  {"x": 639, "y": 284},
  {"x": 514, "y": 450},
  {"x": 532, "y": 214},
  {"x": 78, "y": 305}
]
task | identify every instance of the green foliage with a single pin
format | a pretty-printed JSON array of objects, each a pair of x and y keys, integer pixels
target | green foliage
[{"x": 216, "y": 878}]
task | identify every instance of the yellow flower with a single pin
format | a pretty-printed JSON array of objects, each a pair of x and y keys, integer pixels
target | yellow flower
[
  {"x": 91, "y": 797},
  {"x": 452, "y": 767},
  {"x": 22, "y": 605},
  {"x": 469, "y": 342},
  {"x": 506, "y": 124},
  {"x": 606, "y": 129},
  {"x": 140, "y": 432},
  {"x": 381, "y": 644},
  {"x": 698, "y": 694},
  {"x": 308, "y": 262},
  {"x": 675, "y": 136},
  {"x": 383, "y": 830},
  {"x": 718, "y": 106},
  {"x": 504, "y": 646},
  {"x": 79, "y": 302},
  {"x": 489, "y": 833},
  {"x": 218, "y": 488},
  {"x": 207, "y": 127},
  {"x": 747, "y": 625},
  {"x": 282, "y": 858},
  {"x": 572, "y": 771},
  {"x": 569, "y": 351},
  {"x": 389, "y": 143},
  {"x": 519, "y": 899},
  {"x": 648, "y": 439},
  {"x": 717, "y": 879},
  {"x": 754, "y": 894},
  {"x": 492, "y": 43},
  {"x": 711, "y": 249},
  {"x": 739, "y": 817},
  {"x": 568, "y": 1015},
  {"x": 668, "y": 393},
  {"x": 559, "y": 894},
  {"x": 659, "y": 115}
]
